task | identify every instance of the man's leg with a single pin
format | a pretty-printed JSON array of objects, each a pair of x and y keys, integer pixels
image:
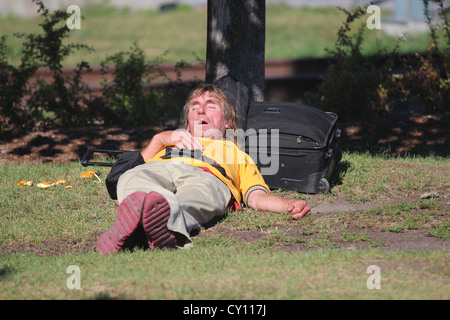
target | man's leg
[
  {"x": 142, "y": 209},
  {"x": 127, "y": 221},
  {"x": 194, "y": 196},
  {"x": 140, "y": 216},
  {"x": 152, "y": 176},
  {"x": 201, "y": 196}
]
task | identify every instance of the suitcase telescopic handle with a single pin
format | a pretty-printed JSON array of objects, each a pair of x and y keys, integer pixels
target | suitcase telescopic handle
[{"x": 87, "y": 157}]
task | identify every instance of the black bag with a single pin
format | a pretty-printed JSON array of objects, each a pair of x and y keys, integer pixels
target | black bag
[
  {"x": 127, "y": 161},
  {"x": 304, "y": 154}
]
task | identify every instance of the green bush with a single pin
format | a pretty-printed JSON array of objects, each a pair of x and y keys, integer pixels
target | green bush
[
  {"x": 358, "y": 86},
  {"x": 13, "y": 86},
  {"x": 425, "y": 79},
  {"x": 351, "y": 88},
  {"x": 128, "y": 97},
  {"x": 66, "y": 100},
  {"x": 62, "y": 101}
]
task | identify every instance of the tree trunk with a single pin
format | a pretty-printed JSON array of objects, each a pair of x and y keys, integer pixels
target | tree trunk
[{"x": 236, "y": 43}]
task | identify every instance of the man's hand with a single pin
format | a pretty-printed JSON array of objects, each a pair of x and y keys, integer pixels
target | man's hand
[
  {"x": 181, "y": 139},
  {"x": 261, "y": 200},
  {"x": 184, "y": 140},
  {"x": 298, "y": 209}
]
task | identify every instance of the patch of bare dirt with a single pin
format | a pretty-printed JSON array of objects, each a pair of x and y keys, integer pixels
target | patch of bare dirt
[
  {"x": 384, "y": 240},
  {"x": 49, "y": 247}
]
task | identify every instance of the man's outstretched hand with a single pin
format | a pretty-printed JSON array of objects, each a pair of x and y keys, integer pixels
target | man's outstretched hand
[
  {"x": 298, "y": 209},
  {"x": 260, "y": 200}
]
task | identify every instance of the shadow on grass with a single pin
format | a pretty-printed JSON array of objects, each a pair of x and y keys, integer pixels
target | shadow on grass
[
  {"x": 339, "y": 172},
  {"x": 6, "y": 272},
  {"x": 406, "y": 134},
  {"x": 393, "y": 135}
]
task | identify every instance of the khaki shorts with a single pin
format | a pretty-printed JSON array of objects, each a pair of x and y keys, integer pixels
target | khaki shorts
[{"x": 195, "y": 196}]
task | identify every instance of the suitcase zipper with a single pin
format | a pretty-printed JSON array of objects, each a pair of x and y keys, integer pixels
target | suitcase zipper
[{"x": 306, "y": 139}]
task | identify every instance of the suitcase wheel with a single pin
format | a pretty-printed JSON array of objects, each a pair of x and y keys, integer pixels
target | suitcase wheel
[{"x": 324, "y": 186}]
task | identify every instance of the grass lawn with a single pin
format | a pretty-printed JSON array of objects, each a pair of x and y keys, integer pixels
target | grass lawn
[
  {"x": 246, "y": 255},
  {"x": 228, "y": 272},
  {"x": 181, "y": 34}
]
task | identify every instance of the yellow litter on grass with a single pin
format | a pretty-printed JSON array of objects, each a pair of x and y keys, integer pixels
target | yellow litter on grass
[
  {"x": 45, "y": 185},
  {"x": 60, "y": 181},
  {"x": 48, "y": 184},
  {"x": 42, "y": 185},
  {"x": 25, "y": 183},
  {"x": 90, "y": 174}
]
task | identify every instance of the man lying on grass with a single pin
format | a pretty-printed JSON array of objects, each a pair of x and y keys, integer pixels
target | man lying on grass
[{"x": 189, "y": 177}]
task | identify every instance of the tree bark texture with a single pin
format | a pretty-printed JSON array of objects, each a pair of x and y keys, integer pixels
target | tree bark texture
[{"x": 236, "y": 43}]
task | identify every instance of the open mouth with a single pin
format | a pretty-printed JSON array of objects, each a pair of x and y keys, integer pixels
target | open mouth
[{"x": 202, "y": 122}]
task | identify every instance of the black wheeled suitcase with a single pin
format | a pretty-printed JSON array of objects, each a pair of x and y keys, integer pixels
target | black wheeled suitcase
[{"x": 294, "y": 145}]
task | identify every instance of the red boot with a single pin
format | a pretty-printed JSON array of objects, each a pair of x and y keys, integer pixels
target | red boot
[
  {"x": 155, "y": 214},
  {"x": 127, "y": 221},
  {"x": 139, "y": 212}
]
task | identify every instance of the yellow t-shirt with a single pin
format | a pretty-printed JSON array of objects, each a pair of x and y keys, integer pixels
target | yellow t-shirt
[{"x": 242, "y": 174}]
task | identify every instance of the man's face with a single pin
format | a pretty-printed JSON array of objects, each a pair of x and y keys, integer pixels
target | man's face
[{"x": 206, "y": 117}]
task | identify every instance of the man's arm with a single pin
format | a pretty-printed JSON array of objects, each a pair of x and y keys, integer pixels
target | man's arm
[
  {"x": 260, "y": 200},
  {"x": 178, "y": 138}
]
